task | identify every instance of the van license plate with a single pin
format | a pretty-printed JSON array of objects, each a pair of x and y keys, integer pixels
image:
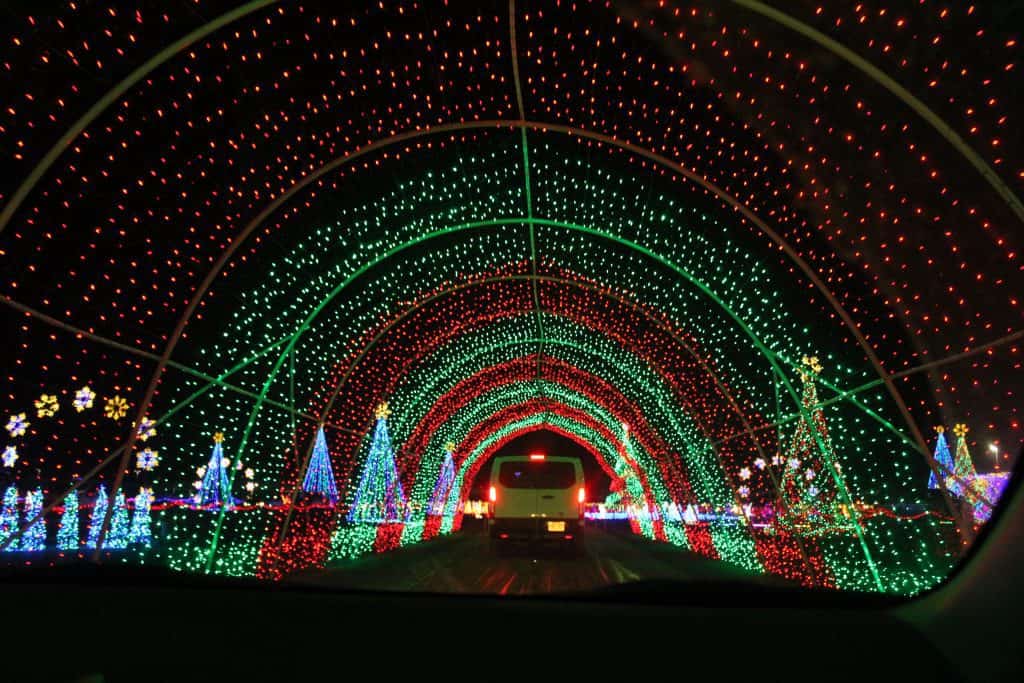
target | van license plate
[{"x": 556, "y": 526}]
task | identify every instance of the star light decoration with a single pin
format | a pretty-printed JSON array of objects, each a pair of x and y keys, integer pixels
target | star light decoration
[
  {"x": 46, "y": 405},
  {"x": 10, "y": 456},
  {"x": 83, "y": 399},
  {"x": 810, "y": 367}
]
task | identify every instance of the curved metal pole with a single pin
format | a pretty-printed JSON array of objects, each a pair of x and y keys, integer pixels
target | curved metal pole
[
  {"x": 890, "y": 84},
  {"x": 769, "y": 355},
  {"x": 688, "y": 410},
  {"x": 529, "y": 426},
  {"x": 111, "y": 96},
  {"x": 570, "y": 130}
]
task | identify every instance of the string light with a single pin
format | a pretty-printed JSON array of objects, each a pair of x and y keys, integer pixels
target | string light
[{"x": 598, "y": 271}]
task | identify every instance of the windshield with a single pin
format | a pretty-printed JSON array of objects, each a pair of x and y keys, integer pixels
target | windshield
[{"x": 279, "y": 282}]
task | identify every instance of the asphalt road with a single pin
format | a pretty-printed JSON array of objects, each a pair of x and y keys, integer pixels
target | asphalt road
[{"x": 464, "y": 563}]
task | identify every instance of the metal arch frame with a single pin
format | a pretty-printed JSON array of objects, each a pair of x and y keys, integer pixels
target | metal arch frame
[
  {"x": 773, "y": 14},
  {"x": 727, "y": 477},
  {"x": 644, "y": 251},
  {"x": 39, "y": 170},
  {"x": 658, "y": 397},
  {"x": 534, "y": 406},
  {"x": 529, "y": 341},
  {"x": 436, "y": 295},
  {"x": 890, "y": 84},
  {"x": 665, "y": 468},
  {"x": 469, "y": 460},
  {"x": 299, "y": 185},
  {"x": 592, "y": 288},
  {"x": 571, "y": 131}
]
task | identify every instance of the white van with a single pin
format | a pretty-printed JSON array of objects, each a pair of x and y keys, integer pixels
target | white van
[{"x": 536, "y": 498}]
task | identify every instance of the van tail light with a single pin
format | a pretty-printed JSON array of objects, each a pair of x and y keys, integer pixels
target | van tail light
[
  {"x": 580, "y": 495},
  {"x": 493, "y": 495}
]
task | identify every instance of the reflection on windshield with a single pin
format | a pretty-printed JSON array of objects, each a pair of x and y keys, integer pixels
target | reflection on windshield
[{"x": 275, "y": 301}]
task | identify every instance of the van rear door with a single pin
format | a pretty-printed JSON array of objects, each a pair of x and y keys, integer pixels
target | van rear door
[
  {"x": 556, "y": 484},
  {"x": 517, "y": 498}
]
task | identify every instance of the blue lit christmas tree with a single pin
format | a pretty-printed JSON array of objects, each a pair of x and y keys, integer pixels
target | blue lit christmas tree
[
  {"x": 141, "y": 531},
  {"x": 945, "y": 461},
  {"x": 67, "y": 534},
  {"x": 99, "y": 510},
  {"x": 379, "y": 497},
  {"x": 117, "y": 534},
  {"x": 319, "y": 480},
  {"x": 443, "y": 485},
  {"x": 34, "y": 538},
  {"x": 9, "y": 515},
  {"x": 215, "y": 489}
]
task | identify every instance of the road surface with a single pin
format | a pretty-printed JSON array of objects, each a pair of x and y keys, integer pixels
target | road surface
[{"x": 464, "y": 563}]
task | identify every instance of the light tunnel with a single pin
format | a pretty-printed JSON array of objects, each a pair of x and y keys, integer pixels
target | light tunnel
[{"x": 748, "y": 271}]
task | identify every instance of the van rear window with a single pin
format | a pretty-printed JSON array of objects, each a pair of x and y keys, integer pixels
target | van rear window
[{"x": 537, "y": 475}]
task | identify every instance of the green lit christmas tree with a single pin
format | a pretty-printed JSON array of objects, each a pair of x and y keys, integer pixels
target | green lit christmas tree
[
  {"x": 67, "y": 533},
  {"x": 9, "y": 515},
  {"x": 34, "y": 537},
  {"x": 117, "y": 534},
  {"x": 140, "y": 531},
  {"x": 811, "y": 475},
  {"x": 963, "y": 466},
  {"x": 99, "y": 510}
]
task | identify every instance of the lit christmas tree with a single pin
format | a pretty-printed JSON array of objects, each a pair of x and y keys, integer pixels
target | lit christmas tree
[
  {"x": 379, "y": 497},
  {"x": 809, "y": 469},
  {"x": 99, "y": 510},
  {"x": 67, "y": 534},
  {"x": 443, "y": 485},
  {"x": 117, "y": 534},
  {"x": 9, "y": 515},
  {"x": 319, "y": 480},
  {"x": 945, "y": 461},
  {"x": 963, "y": 467},
  {"x": 141, "y": 531},
  {"x": 214, "y": 488},
  {"x": 34, "y": 538}
]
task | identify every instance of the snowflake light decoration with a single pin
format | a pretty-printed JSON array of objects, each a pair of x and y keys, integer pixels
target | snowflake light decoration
[
  {"x": 147, "y": 459},
  {"x": 46, "y": 405},
  {"x": 17, "y": 424},
  {"x": 115, "y": 408},
  {"x": 84, "y": 398},
  {"x": 745, "y": 473},
  {"x": 10, "y": 456},
  {"x": 147, "y": 429},
  {"x": 760, "y": 463}
]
